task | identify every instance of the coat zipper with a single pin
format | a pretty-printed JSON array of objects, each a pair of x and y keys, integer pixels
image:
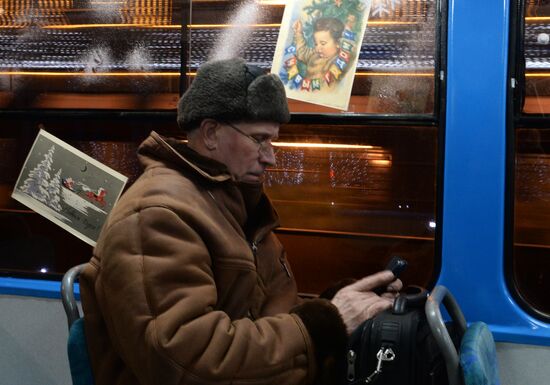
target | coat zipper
[
  {"x": 254, "y": 248},
  {"x": 259, "y": 237}
]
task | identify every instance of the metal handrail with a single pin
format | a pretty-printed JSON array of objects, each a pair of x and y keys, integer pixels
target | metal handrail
[
  {"x": 67, "y": 293},
  {"x": 439, "y": 330}
]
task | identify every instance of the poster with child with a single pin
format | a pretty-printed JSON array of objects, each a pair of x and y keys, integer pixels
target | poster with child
[{"x": 318, "y": 48}]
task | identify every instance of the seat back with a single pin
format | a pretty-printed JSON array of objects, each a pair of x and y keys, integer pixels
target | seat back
[
  {"x": 476, "y": 361},
  {"x": 77, "y": 347},
  {"x": 478, "y": 357}
]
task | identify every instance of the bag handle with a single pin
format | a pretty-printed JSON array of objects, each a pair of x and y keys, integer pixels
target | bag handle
[{"x": 411, "y": 297}]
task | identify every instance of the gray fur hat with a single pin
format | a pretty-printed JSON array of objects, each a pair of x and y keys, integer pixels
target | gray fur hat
[{"x": 232, "y": 90}]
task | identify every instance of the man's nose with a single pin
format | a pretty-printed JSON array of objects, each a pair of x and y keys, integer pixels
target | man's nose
[{"x": 267, "y": 155}]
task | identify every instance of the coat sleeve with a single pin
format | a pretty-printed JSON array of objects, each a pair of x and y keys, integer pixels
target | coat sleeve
[{"x": 157, "y": 293}]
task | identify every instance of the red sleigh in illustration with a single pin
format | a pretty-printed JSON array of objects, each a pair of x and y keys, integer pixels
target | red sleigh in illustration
[
  {"x": 98, "y": 197},
  {"x": 84, "y": 190}
]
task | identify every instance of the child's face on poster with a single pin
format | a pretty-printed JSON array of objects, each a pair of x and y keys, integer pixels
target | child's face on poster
[{"x": 325, "y": 45}]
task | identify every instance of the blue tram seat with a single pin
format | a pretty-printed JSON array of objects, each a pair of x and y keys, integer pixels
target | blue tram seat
[
  {"x": 77, "y": 348},
  {"x": 476, "y": 361}
]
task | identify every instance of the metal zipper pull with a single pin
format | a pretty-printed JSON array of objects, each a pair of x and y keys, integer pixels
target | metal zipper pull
[
  {"x": 351, "y": 365},
  {"x": 384, "y": 354}
]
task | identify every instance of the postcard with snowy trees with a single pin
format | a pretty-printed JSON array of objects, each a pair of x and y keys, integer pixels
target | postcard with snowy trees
[
  {"x": 68, "y": 187},
  {"x": 318, "y": 48}
]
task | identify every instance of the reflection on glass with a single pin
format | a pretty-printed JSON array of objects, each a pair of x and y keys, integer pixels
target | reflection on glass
[
  {"x": 348, "y": 197},
  {"x": 537, "y": 57},
  {"x": 532, "y": 217},
  {"x": 345, "y": 208},
  {"x": 396, "y": 65},
  {"x": 72, "y": 54}
]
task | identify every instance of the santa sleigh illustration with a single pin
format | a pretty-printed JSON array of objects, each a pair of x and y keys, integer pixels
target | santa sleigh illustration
[
  {"x": 97, "y": 197},
  {"x": 83, "y": 190}
]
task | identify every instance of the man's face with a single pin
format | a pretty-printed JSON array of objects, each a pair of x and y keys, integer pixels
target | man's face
[{"x": 243, "y": 155}]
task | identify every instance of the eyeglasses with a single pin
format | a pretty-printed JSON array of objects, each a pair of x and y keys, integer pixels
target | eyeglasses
[{"x": 264, "y": 146}]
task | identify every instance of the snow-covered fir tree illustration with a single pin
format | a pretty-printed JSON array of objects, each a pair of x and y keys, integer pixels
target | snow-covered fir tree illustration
[
  {"x": 39, "y": 183},
  {"x": 49, "y": 187}
]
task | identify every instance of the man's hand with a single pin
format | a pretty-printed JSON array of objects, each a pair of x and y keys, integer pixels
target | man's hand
[{"x": 357, "y": 302}]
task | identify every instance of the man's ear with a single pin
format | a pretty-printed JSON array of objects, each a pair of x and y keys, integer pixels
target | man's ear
[{"x": 209, "y": 133}]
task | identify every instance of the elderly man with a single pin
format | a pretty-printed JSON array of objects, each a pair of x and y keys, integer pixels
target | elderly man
[{"x": 188, "y": 284}]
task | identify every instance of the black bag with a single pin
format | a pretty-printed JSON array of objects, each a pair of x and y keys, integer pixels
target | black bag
[{"x": 396, "y": 347}]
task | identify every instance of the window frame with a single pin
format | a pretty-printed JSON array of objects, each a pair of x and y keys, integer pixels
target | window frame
[{"x": 517, "y": 119}]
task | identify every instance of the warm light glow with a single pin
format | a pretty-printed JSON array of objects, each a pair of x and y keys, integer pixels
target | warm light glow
[
  {"x": 191, "y": 74},
  {"x": 391, "y": 23},
  {"x": 422, "y": 74},
  {"x": 537, "y": 75},
  {"x": 377, "y": 155},
  {"x": 380, "y": 162},
  {"x": 322, "y": 145},
  {"x": 164, "y": 26},
  {"x": 36, "y": 73},
  {"x": 538, "y": 18},
  {"x": 196, "y": 26},
  {"x": 128, "y": 25}
]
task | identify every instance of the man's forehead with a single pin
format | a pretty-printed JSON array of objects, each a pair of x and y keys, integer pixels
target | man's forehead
[{"x": 267, "y": 127}]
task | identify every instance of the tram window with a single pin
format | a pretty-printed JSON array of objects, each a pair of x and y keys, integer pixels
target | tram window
[
  {"x": 537, "y": 57},
  {"x": 354, "y": 197},
  {"x": 529, "y": 264},
  {"x": 97, "y": 55},
  {"x": 349, "y": 193},
  {"x": 395, "y": 67}
]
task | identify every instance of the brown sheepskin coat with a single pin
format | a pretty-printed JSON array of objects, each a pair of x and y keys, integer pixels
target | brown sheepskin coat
[{"x": 189, "y": 285}]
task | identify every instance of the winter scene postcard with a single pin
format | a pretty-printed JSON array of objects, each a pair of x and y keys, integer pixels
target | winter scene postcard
[
  {"x": 68, "y": 187},
  {"x": 318, "y": 47}
]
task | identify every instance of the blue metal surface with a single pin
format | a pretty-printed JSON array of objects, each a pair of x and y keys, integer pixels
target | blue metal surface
[
  {"x": 474, "y": 172},
  {"x": 33, "y": 288}
]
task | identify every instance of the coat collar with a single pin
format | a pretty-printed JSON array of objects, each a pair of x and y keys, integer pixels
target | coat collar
[
  {"x": 258, "y": 215},
  {"x": 180, "y": 154}
]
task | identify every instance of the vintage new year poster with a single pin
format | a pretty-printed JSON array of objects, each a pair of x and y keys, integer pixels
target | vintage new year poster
[
  {"x": 68, "y": 187},
  {"x": 318, "y": 48}
]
